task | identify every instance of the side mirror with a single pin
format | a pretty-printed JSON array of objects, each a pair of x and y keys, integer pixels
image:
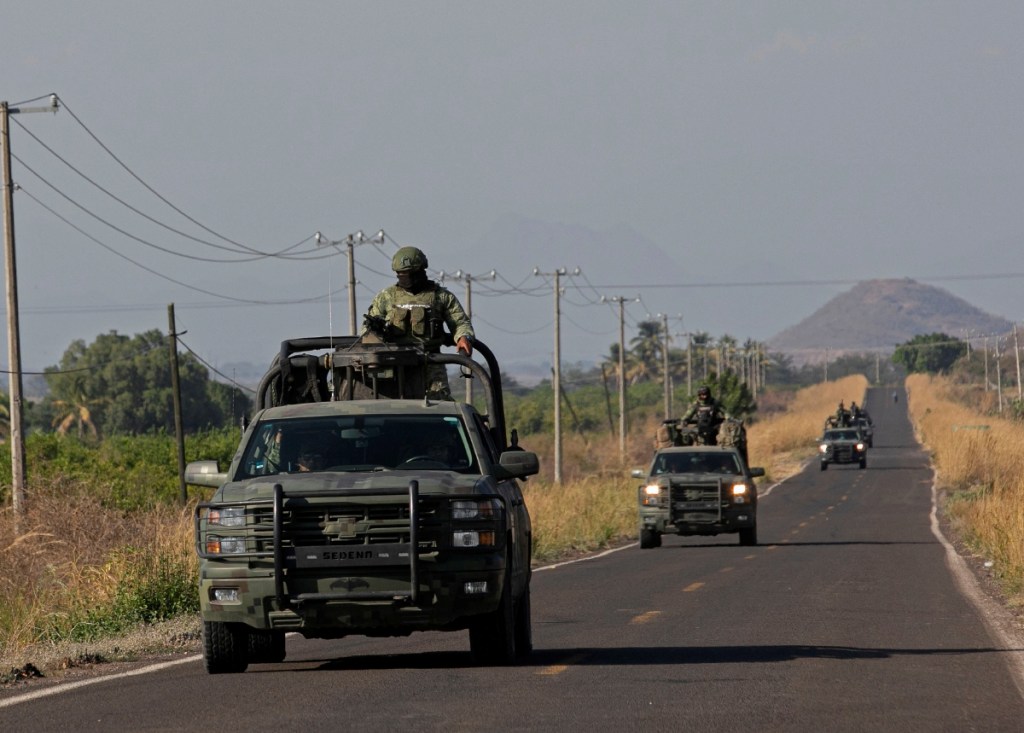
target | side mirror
[
  {"x": 638, "y": 473},
  {"x": 204, "y": 473},
  {"x": 756, "y": 472},
  {"x": 519, "y": 463}
]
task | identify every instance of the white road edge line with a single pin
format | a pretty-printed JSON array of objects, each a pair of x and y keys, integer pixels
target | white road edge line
[
  {"x": 998, "y": 621},
  {"x": 58, "y": 688}
]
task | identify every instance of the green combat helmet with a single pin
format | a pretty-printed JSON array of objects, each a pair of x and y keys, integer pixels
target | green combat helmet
[{"x": 409, "y": 258}]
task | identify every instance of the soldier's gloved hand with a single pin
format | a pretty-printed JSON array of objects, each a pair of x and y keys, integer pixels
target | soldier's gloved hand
[
  {"x": 465, "y": 346},
  {"x": 376, "y": 324}
]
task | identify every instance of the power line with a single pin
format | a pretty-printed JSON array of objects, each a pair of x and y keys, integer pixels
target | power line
[{"x": 165, "y": 277}]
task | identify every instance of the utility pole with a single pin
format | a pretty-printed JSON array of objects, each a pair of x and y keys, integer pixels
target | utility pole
[
  {"x": 986, "y": 364},
  {"x": 689, "y": 364},
  {"x": 179, "y": 434},
  {"x": 1016, "y": 354},
  {"x": 999, "y": 377},
  {"x": 556, "y": 376},
  {"x": 350, "y": 243},
  {"x": 13, "y": 329},
  {"x": 468, "y": 305},
  {"x": 622, "y": 368},
  {"x": 664, "y": 367},
  {"x": 826, "y": 363}
]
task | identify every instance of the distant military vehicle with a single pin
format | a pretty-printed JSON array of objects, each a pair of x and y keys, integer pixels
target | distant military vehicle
[
  {"x": 697, "y": 490},
  {"x": 866, "y": 428},
  {"x": 356, "y": 505},
  {"x": 842, "y": 445}
]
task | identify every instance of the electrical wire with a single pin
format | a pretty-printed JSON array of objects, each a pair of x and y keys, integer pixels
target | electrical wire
[{"x": 150, "y": 270}]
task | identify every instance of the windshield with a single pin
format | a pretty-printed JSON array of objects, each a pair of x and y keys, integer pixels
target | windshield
[
  {"x": 358, "y": 443},
  {"x": 842, "y": 435},
  {"x": 693, "y": 462}
]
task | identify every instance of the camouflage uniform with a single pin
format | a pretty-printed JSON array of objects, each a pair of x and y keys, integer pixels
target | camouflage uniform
[
  {"x": 417, "y": 318},
  {"x": 707, "y": 416}
]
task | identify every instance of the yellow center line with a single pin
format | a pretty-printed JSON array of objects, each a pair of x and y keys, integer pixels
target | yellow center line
[
  {"x": 750, "y": 557},
  {"x": 645, "y": 617},
  {"x": 559, "y": 668},
  {"x": 803, "y": 524},
  {"x": 692, "y": 587},
  {"x": 726, "y": 570}
]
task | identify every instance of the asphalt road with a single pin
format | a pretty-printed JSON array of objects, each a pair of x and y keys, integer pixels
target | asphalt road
[{"x": 847, "y": 617}]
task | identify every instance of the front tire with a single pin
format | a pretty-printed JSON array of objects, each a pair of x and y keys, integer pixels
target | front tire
[
  {"x": 748, "y": 536},
  {"x": 492, "y": 637},
  {"x": 225, "y": 647},
  {"x": 524, "y": 624},
  {"x": 863, "y": 462},
  {"x": 824, "y": 466},
  {"x": 649, "y": 538}
]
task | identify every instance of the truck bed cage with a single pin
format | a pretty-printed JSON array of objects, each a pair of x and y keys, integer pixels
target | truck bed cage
[{"x": 358, "y": 368}]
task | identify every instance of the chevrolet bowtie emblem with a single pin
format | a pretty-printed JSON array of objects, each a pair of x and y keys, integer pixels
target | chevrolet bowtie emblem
[{"x": 344, "y": 527}]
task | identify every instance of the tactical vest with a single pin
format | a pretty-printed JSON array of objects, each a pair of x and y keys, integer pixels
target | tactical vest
[{"x": 416, "y": 317}]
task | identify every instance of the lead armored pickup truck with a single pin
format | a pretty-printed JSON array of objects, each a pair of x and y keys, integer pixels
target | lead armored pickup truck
[{"x": 356, "y": 505}]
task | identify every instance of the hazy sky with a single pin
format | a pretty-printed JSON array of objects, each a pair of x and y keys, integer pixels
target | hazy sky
[{"x": 794, "y": 146}]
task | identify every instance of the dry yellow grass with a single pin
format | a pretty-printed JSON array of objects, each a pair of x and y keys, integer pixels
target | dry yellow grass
[
  {"x": 980, "y": 470},
  {"x": 72, "y": 557}
]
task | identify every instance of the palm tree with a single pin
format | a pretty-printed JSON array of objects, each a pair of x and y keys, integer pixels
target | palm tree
[
  {"x": 647, "y": 347},
  {"x": 700, "y": 340},
  {"x": 75, "y": 408}
]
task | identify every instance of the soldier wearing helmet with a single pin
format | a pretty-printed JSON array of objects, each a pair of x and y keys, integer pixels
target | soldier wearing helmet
[
  {"x": 415, "y": 309},
  {"x": 706, "y": 414}
]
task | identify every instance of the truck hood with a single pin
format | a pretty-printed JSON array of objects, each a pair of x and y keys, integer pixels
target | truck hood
[{"x": 430, "y": 482}]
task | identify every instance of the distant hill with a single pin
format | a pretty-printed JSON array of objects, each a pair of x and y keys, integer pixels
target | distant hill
[{"x": 877, "y": 315}]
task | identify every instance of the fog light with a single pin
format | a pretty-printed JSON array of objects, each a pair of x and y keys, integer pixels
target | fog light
[
  {"x": 466, "y": 539},
  {"x": 475, "y": 588},
  {"x": 225, "y": 595}
]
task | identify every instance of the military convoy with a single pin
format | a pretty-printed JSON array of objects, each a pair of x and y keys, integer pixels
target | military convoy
[{"x": 356, "y": 505}]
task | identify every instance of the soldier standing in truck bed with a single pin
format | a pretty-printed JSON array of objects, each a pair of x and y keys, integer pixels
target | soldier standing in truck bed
[
  {"x": 706, "y": 414},
  {"x": 415, "y": 309}
]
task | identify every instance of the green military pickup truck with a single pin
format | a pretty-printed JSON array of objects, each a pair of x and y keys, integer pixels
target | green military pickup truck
[
  {"x": 355, "y": 505},
  {"x": 697, "y": 490}
]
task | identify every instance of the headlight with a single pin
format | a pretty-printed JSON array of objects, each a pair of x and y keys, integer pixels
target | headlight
[
  {"x": 860, "y": 446},
  {"x": 476, "y": 509},
  {"x": 473, "y": 538},
  {"x": 231, "y": 516},
  {"x": 739, "y": 489},
  {"x": 225, "y": 545},
  {"x": 652, "y": 489},
  {"x": 823, "y": 448}
]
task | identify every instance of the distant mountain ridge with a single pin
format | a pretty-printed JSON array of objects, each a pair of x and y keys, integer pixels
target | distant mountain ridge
[{"x": 880, "y": 314}]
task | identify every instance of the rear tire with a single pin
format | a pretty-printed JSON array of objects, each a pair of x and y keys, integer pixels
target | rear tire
[
  {"x": 266, "y": 647},
  {"x": 225, "y": 647},
  {"x": 492, "y": 636},
  {"x": 748, "y": 536}
]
